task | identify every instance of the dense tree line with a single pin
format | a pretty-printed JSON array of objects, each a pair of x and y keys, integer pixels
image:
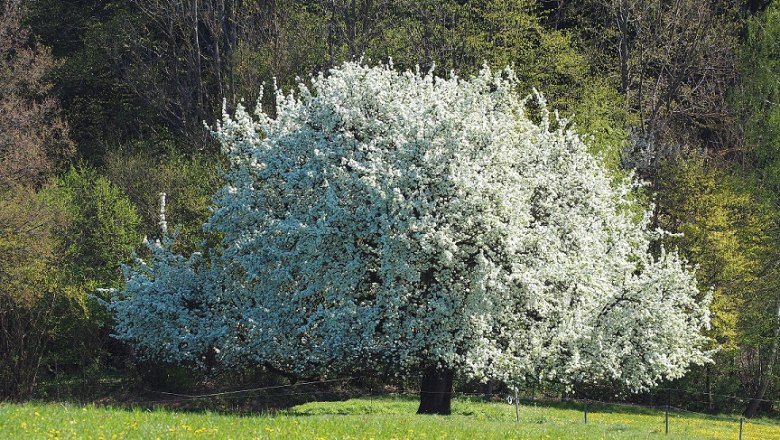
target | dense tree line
[{"x": 103, "y": 103}]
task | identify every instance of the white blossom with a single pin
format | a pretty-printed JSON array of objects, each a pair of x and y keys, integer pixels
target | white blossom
[{"x": 390, "y": 221}]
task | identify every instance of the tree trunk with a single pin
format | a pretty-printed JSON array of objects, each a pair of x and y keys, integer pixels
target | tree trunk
[
  {"x": 710, "y": 396},
  {"x": 755, "y": 402},
  {"x": 436, "y": 392},
  {"x": 765, "y": 376},
  {"x": 623, "y": 18},
  {"x": 489, "y": 390}
]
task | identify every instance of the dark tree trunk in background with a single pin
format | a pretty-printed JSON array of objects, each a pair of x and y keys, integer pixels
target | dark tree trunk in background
[
  {"x": 765, "y": 374},
  {"x": 436, "y": 392},
  {"x": 710, "y": 396},
  {"x": 489, "y": 390}
]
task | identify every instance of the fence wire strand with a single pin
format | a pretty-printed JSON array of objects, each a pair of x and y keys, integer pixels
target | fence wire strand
[
  {"x": 249, "y": 390},
  {"x": 276, "y": 392}
]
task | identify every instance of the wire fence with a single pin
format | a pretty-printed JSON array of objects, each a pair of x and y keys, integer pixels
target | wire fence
[{"x": 332, "y": 389}]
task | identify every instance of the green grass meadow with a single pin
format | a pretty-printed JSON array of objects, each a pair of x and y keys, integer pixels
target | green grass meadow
[{"x": 375, "y": 418}]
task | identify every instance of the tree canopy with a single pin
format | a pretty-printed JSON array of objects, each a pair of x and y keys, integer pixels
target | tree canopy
[{"x": 397, "y": 222}]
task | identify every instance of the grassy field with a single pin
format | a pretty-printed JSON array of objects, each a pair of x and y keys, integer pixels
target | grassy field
[{"x": 377, "y": 418}]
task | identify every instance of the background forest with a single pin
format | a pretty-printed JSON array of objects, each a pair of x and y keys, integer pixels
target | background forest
[{"x": 103, "y": 103}]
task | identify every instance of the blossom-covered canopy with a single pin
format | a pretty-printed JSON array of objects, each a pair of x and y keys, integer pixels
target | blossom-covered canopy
[{"x": 392, "y": 221}]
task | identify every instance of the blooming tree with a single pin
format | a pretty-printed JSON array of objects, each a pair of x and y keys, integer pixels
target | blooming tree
[{"x": 399, "y": 223}]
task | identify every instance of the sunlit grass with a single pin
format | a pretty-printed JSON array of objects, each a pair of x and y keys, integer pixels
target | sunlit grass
[{"x": 385, "y": 418}]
